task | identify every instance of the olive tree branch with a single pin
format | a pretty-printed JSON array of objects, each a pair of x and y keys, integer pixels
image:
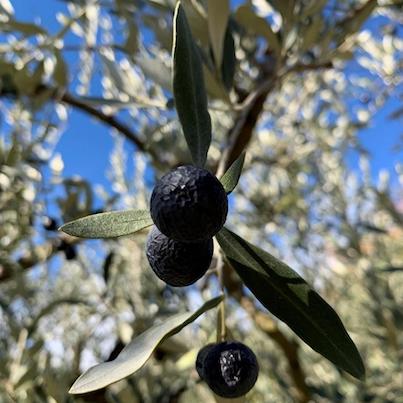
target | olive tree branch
[
  {"x": 111, "y": 121},
  {"x": 250, "y": 109}
]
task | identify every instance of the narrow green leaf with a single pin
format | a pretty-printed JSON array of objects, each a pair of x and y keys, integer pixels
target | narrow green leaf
[
  {"x": 189, "y": 92},
  {"x": 258, "y": 26},
  {"x": 315, "y": 8},
  {"x": 230, "y": 179},
  {"x": 60, "y": 74},
  {"x": 286, "y": 9},
  {"x": 108, "y": 225},
  {"x": 229, "y": 60},
  {"x": 197, "y": 19},
  {"x": 312, "y": 34},
  {"x": 286, "y": 295},
  {"x": 137, "y": 352},
  {"x": 217, "y": 19},
  {"x": 214, "y": 87},
  {"x": 131, "y": 45}
]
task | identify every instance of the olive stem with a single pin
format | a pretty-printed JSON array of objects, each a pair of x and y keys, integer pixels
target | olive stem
[{"x": 221, "y": 327}]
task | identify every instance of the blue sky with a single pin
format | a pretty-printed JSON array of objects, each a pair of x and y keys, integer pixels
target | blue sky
[{"x": 86, "y": 144}]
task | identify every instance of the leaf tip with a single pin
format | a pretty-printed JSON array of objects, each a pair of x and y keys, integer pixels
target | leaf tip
[
  {"x": 63, "y": 228},
  {"x": 359, "y": 372},
  {"x": 78, "y": 387},
  {"x": 177, "y": 9},
  {"x": 73, "y": 389}
]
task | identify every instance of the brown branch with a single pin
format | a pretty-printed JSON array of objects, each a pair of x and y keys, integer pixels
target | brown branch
[
  {"x": 251, "y": 108},
  {"x": 241, "y": 133},
  {"x": 301, "y": 67},
  {"x": 113, "y": 122},
  {"x": 108, "y": 119}
]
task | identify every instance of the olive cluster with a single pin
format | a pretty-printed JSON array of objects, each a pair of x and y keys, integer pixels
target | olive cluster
[
  {"x": 188, "y": 206},
  {"x": 229, "y": 368}
]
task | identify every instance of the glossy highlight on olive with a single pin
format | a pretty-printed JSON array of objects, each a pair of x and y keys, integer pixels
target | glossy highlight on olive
[{"x": 229, "y": 368}]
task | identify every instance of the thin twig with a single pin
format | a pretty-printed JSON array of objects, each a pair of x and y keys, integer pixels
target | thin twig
[
  {"x": 221, "y": 326},
  {"x": 108, "y": 119}
]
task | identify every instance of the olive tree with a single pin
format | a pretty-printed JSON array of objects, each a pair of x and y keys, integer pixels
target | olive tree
[{"x": 269, "y": 96}]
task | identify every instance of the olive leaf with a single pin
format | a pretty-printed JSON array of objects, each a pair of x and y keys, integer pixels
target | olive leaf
[
  {"x": 315, "y": 8},
  {"x": 229, "y": 60},
  {"x": 108, "y": 225},
  {"x": 137, "y": 352},
  {"x": 214, "y": 87},
  {"x": 217, "y": 20},
  {"x": 286, "y": 295},
  {"x": 230, "y": 179},
  {"x": 60, "y": 73},
  {"x": 189, "y": 91},
  {"x": 286, "y": 9},
  {"x": 312, "y": 33},
  {"x": 131, "y": 45}
]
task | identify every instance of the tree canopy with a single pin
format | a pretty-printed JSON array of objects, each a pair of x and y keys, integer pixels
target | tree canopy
[{"x": 279, "y": 90}]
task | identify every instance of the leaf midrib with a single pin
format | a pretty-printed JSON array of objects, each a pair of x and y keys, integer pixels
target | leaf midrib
[
  {"x": 190, "y": 49},
  {"x": 89, "y": 219},
  {"x": 73, "y": 226}
]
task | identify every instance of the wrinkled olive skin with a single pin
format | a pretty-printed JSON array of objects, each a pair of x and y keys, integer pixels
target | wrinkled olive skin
[
  {"x": 230, "y": 369},
  {"x": 178, "y": 263},
  {"x": 189, "y": 204}
]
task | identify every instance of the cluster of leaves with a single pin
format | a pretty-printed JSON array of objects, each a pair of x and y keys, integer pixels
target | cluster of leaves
[{"x": 307, "y": 75}]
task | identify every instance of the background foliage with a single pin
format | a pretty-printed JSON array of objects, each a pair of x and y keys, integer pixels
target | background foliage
[{"x": 293, "y": 82}]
